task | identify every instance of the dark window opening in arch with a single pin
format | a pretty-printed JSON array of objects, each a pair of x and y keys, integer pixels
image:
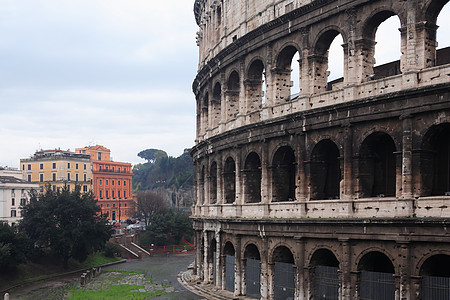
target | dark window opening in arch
[
  {"x": 252, "y": 178},
  {"x": 377, "y": 166},
  {"x": 376, "y": 278},
  {"x": 232, "y": 96},
  {"x": 216, "y": 105},
  {"x": 284, "y": 273},
  {"x": 435, "y": 274},
  {"x": 252, "y": 271},
  {"x": 283, "y": 175},
  {"x": 213, "y": 183},
  {"x": 229, "y": 176},
  {"x": 229, "y": 253},
  {"x": 325, "y": 171},
  {"x": 435, "y": 161},
  {"x": 325, "y": 268},
  {"x": 202, "y": 185}
]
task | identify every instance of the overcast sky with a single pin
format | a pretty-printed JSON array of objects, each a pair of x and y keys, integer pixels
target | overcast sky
[{"x": 117, "y": 73}]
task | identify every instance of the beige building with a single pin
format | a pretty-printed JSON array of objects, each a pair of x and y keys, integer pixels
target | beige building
[
  {"x": 58, "y": 168},
  {"x": 14, "y": 192}
]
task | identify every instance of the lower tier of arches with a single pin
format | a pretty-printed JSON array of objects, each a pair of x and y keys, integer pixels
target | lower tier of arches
[{"x": 325, "y": 259}]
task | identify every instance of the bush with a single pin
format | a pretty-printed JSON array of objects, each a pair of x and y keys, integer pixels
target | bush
[{"x": 111, "y": 249}]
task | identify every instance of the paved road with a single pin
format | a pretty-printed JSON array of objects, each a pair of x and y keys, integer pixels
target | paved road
[{"x": 164, "y": 270}]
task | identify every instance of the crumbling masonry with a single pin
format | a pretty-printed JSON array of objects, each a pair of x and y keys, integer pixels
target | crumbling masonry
[{"x": 339, "y": 191}]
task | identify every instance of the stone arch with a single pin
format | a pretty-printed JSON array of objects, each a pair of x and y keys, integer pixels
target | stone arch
[
  {"x": 325, "y": 172},
  {"x": 324, "y": 274},
  {"x": 252, "y": 271},
  {"x": 252, "y": 178},
  {"x": 435, "y": 277},
  {"x": 229, "y": 180},
  {"x": 283, "y": 174},
  {"x": 377, "y": 166},
  {"x": 433, "y": 10},
  {"x": 376, "y": 277},
  {"x": 254, "y": 89},
  {"x": 229, "y": 253},
  {"x": 436, "y": 146},
  {"x": 211, "y": 258},
  {"x": 319, "y": 59},
  {"x": 213, "y": 183},
  {"x": 283, "y": 272},
  {"x": 216, "y": 100},
  {"x": 282, "y": 74},
  {"x": 232, "y": 95},
  {"x": 368, "y": 41}
]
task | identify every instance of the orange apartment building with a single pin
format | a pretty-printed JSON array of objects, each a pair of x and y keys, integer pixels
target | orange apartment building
[{"x": 112, "y": 183}]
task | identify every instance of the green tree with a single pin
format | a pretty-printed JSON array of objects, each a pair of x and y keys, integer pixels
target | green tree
[
  {"x": 13, "y": 247},
  {"x": 152, "y": 155},
  {"x": 149, "y": 204},
  {"x": 65, "y": 221}
]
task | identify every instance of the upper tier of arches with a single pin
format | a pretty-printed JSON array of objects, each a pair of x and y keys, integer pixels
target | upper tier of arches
[{"x": 252, "y": 79}]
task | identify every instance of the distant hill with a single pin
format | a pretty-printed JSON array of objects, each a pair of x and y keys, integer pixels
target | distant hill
[{"x": 169, "y": 176}]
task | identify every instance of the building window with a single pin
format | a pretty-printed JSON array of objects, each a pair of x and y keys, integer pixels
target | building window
[
  {"x": 100, "y": 182},
  {"x": 22, "y": 193},
  {"x": 112, "y": 192},
  {"x": 29, "y": 177},
  {"x": 118, "y": 182},
  {"x": 41, "y": 177},
  {"x": 124, "y": 182},
  {"x": 101, "y": 205},
  {"x": 100, "y": 168},
  {"x": 76, "y": 177},
  {"x": 53, "y": 176},
  {"x": 113, "y": 169},
  {"x": 125, "y": 212},
  {"x": 112, "y": 182},
  {"x": 106, "y": 181},
  {"x": 29, "y": 167},
  {"x": 101, "y": 194},
  {"x": 85, "y": 177},
  {"x": 107, "y": 205},
  {"x": 124, "y": 194},
  {"x": 54, "y": 188},
  {"x": 114, "y": 205},
  {"x": 76, "y": 166},
  {"x": 54, "y": 165},
  {"x": 68, "y": 176},
  {"x": 68, "y": 187},
  {"x": 13, "y": 213},
  {"x": 23, "y": 201},
  {"x": 23, "y": 167},
  {"x": 118, "y": 194},
  {"x": 107, "y": 194},
  {"x": 99, "y": 156},
  {"x": 119, "y": 170},
  {"x": 13, "y": 202},
  {"x": 84, "y": 188},
  {"x": 68, "y": 165},
  {"x": 85, "y": 166},
  {"x": 13, "y": 194},
  {"x": 41, "y": 166}
]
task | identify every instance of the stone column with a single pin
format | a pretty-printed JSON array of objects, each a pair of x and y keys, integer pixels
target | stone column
[
  {"x": 265, "y": 286},
  {"x": 205, "y": 257},
  {"x": 407, "y": 184},
  {"x": 300, "y": 264},
  {"x": 346, "y": 284},
  {"x": 347, "y": 188},
  {"x": 220, "y": 191},
  {"x": 365, "y": 50},
  {"x": 238, "y": 267},
  {"x": 218, "y": 262},
  {"x": 405, "y": 270},
  {"x": 266, "y": 187},
  {"x": 239, "y": 185}
]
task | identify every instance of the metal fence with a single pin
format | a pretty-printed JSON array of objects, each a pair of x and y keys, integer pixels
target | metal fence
[
  {"x": 435, "y": 288},
  {"x": 326, "y": 283},
  {"x": 229, "y": 273},
  {"x": 377, "y": 286},
  {"x": 253, "y": 278},
  {"x": 284, "y": 281}
]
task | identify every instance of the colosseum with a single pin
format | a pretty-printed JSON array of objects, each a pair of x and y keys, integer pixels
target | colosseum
[{"x": 312, "y": 187}]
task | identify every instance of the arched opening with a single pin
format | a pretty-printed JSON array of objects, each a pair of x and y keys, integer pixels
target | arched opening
[
  {"x": 284, "y": 273},
  {"x": 321, "y": 59},
  {"x": 376, "y": 277},
  {"x": 229, "y": 178},
  {"x": 283, "y": 175},
  {"x": 287, "y": 75},
  {"x": 255, "y": 86},
  {"x": 202, "y": 186},
  {"x": 435, "y": 273},
  {"x": 435, "y": 161},
  {"x": 252, "y": 271},
  {"x": 377, "y": 167},
  {"x": 252, "y": 178},
  {"x": 229, "y": 253},
  {"x": 205, "y": 114},
  {"x": 232, "y": 95},
  {"x": 216, "y": 105},
  {"x": 213, "y": 183},
  {"x": 325, "y": 171},
  {"x": 386, "y": 35},
  {"x": 212, "y": 260},
  {"x": 324, "y": 274}
]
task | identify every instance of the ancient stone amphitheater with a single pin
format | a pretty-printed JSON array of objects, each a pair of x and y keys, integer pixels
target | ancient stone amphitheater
[{"x": 337, "y": 190}]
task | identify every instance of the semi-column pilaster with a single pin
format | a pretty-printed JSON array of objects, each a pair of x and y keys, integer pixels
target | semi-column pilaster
[
  {"x": 205, "y": 257},
  {"x": 265, "y": 178},
  {"x": 238, "y": 267},
  {"x": 405, "y": 270},
  {"x": 346, "y": 284},
  {"x": 264, "y": 289},
  {"x": 300, "y": 264}
]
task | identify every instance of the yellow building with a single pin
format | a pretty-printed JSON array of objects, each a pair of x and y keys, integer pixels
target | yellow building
[{"x": 58, "y": 168}]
